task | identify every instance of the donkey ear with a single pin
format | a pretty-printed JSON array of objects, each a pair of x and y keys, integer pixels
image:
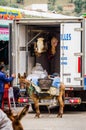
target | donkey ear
[
  {"x": 19, "y": 75},
  {"x": 23, "y": 112},
  {"x": 25, "y": 75}
]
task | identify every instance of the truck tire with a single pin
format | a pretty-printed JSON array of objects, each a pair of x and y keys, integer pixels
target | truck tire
[{"x": 83, "y": 107}]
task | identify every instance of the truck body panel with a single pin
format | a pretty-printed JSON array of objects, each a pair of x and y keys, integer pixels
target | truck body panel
[{"x": 70, "y": 54}]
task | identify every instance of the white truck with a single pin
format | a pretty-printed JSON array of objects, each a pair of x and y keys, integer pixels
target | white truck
[{"x": 70, "y": 62}]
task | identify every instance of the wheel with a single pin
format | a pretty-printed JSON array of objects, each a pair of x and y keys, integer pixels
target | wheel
[{"x": 83, "y": 107}]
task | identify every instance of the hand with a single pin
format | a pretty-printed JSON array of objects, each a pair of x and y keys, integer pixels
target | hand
[{"x": 13, "y": 75}]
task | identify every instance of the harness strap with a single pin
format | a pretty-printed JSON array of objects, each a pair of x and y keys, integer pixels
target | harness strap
[{"x": 31, "y": 90}]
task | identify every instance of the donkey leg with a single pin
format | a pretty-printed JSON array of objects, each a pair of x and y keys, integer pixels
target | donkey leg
[
  {"x": 36, "y": 103},
  {"x": 61, "y": 106},
  {"x": 61, "y": 100},
  {"x": 62, "y": 87}
]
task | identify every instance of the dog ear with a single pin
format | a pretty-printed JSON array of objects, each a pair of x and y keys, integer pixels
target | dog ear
[
  {"x": 23, "y": 112},
  {"x": 9, "y": 114},
  {"x": 25, "y": 75},
  {"x": 19, "y": 75},
  {"x": 8, "y": 111}
]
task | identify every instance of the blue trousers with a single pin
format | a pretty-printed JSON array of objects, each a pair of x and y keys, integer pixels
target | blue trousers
[{"x": 1, "y": 98}]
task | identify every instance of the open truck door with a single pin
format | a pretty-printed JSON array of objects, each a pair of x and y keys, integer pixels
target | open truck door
[{"x": 71, "y": 54}]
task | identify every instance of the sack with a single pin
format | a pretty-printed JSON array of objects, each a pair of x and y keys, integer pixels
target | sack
[
  {"x": 37, "y": 88},
  {"x": 54, "y": 91},
  {"x": 56, "y": 82}
]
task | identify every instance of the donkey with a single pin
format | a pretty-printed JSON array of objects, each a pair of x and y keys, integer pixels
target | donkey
[
  {"x": 17, "y": 118},
  {"x": 35, "y": 97}
]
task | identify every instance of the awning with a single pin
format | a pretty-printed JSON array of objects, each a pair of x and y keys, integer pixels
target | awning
[{"x": 4, "y": 34}]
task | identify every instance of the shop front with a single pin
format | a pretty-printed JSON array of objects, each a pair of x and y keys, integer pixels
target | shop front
[
  {"x": 6, "y": 17},
  {"x": 4, "y": 41}
]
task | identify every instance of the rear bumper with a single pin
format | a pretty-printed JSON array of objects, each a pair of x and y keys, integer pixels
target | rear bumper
[
  {"x": 72, "y": 101},
  {"x": 75, "y": 88},
  {"x": 23, "y": 100}
]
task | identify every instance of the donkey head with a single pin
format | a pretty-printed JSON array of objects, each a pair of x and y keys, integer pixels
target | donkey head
[{"x": 23, "y": 81}]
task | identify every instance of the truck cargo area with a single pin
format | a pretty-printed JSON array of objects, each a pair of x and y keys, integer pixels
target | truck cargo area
[{"x": 50, "y": 62}]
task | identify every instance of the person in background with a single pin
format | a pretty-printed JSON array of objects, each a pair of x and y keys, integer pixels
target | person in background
[
  {"x": 5, "y": 122},
  {"x": 4, "y": 79}
]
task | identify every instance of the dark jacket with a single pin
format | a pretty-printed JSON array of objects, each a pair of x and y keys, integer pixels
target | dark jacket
[{"x": 3, "y": 80}]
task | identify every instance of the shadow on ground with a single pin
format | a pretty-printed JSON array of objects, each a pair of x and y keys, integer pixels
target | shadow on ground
[{"x": 67, "y": 108}]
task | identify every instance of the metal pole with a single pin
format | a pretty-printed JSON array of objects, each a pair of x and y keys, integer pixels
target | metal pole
[{"x": 10, "y": 49}]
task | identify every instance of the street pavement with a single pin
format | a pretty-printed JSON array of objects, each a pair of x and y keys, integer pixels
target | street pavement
[{"x": 72, "y": 120}]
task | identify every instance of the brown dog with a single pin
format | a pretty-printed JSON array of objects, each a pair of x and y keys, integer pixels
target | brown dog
[{"x": 17, "y": 118}]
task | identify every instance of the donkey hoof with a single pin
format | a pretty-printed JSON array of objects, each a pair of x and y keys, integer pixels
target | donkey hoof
[
  {"x": 59, "y": 116},
  {"x": 37, "y": 116}
]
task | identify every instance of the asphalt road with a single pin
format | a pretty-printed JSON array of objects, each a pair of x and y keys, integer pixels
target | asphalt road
[{"x": 71, "y": 120}]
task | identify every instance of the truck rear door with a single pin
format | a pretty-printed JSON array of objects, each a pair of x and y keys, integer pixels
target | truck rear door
[{"x": 70, "y": 54}]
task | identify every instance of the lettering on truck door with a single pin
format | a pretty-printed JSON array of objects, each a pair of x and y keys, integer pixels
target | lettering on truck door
[{"x": 70, "y": 54}]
